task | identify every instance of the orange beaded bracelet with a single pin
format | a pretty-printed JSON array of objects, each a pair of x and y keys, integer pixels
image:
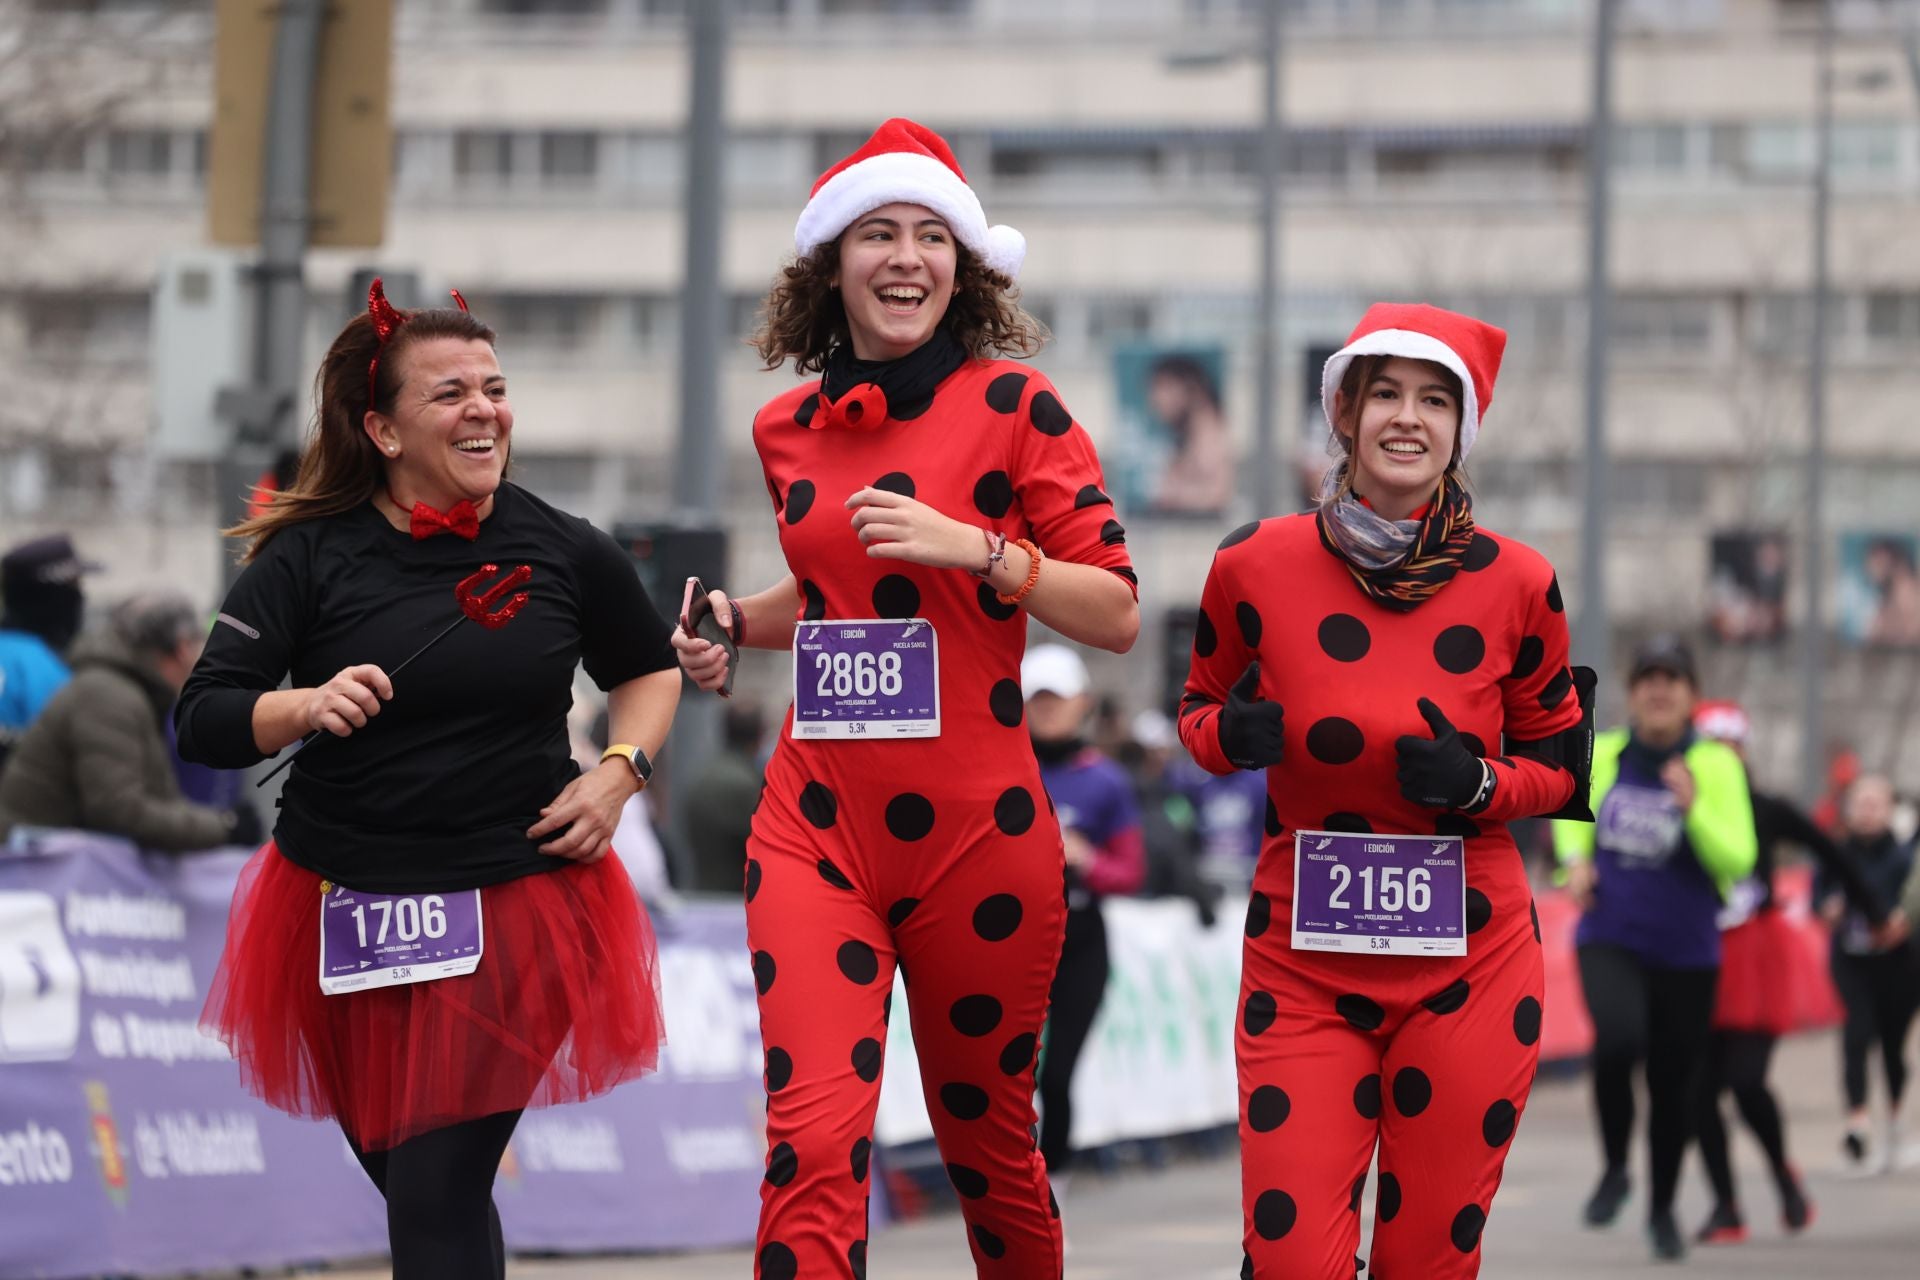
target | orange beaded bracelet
[{"x": 1033, "y": 573}]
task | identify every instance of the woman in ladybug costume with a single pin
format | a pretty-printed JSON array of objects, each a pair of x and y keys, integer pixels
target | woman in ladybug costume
[
  {"x": 928, "y": 498},
  {"x": 1402, "y": 678}
]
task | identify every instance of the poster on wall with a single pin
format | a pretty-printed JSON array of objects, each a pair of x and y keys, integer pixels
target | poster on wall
[
  {"x": 1747, "y": 586},
  {"x": 1175, "y": 455},
  {"x": 1880, "y": 588}
]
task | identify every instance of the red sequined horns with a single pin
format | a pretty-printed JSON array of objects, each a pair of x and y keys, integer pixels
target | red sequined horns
[{"x": 387, "y": 318}]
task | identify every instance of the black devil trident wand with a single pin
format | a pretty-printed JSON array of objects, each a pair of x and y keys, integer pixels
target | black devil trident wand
[{"x": 485, "y": 607}]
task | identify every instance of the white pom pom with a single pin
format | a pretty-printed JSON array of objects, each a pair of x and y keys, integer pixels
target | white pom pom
[{"x": 1006, "y": 249}]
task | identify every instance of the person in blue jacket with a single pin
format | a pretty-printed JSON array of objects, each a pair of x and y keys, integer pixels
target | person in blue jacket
[{"x": 41, "y": 604}]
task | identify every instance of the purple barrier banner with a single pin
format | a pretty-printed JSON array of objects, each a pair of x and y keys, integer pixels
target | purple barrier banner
[{"x": 128, "y": 1147}]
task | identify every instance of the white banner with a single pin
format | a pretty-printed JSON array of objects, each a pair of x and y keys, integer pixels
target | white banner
[{"x": 1160, "y": 1057}]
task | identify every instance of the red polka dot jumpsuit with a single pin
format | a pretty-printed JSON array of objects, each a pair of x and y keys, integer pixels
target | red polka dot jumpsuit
[
  {"x": 1430, "y": 1056},
  {"x": 938, "y": 854}
]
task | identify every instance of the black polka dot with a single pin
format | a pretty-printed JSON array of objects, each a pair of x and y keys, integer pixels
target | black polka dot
[
  {"x": 779, "y": 1069},
  {"x": 777, "y": 1262},
  {"x": 866, "y": 1059},
  {"x": 1259, "y": 914},
  {"x": 1018, "y": 1055},
  {"x": 1412, "y": 1091},
  {"x": 1273, "y": 818},
  {"x": 782, "y": 1165},
  {"x": 1526, "y": 1020},
  {"x": 1534, "y": 911},
  {"x": 895, "y": 596},
  {"x": 897, "y": 913},
  {"x": 1467, "y": 1226},
  {"x": 818, "y": 806},
  {"x": 1344, "y": 638},
  {"x": 1481, "y": 552},
  {"x": 857, "y": 1259},
  {"x": 1249, "y": 619},
  {"x": 896, "y": 482},
  {"x": 1050, "y": 417},
  {"x": 857, "y": 1159},
  {"x": 1366, "y": 1096},
  {"x": 1556, "y": 691},
  {"x": 970, "y": 1183},
  {"x": 1053, "y": 1202},
  {"x": 1003, "y": 393},
  {"x": 1459, "y": 649},
  {"x": 808, "y": 406},
  {"x": 1240, "y": 535},
  {"x": 1091, "y": 496},
  {"x": 975, "y": 1015},
  {"x": 815, "y": 607},
  {"x": 886, "y": 1006},
  {"x": 1246, "y": 1265},
  {"x": 858, "y": 962},
  {"x": 1387, "y": 1199},
  {"x": 1350, "y": 822},
  {"x": 833, "y": 875},
  {"x": 964, "y": 1101},
  {"x": 763, "y": 971},
  {"x": 1006, "y": 702},
  {"x": 753, "y": 878},
  {"x": 1497, "y": 1125},
  {"x": 991, "y": 1245},
  {"x": 1113, "y": 533},
  {"x": 1528, "y": 657},
  {"x": 1260, "y": 1012},
  {"x": 1554, "y": 602},
  {"x": 1361, "y": 1013},
  {"x": 993, "y": 494},
  {"x": 1449, "y": 998},
  {"x": 1205, "y": 639},
  {"x": 909, "y": 816},
  {"x": 990, "y": 603},
  {"x": 1453, "y": 824},
  {"x": 1274, "y": 1214},
  {"x": 1013, "y": 812},
  {"x": 1479, "y": 910},
  {"x": 1335, "y": 741},
  {"x": 1268, "y": 1108},
  {"x": 997, "y": 917},
  {"x": 799, "y": 501},
  {"x": 1359, "y": 1186}
]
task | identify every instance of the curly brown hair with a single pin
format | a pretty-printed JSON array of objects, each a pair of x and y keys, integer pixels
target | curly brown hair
[{"x": 804, "y": 317}]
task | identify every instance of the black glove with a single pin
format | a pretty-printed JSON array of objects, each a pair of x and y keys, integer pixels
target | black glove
[
  {"x": 1440, "y": 772},
  {"x": 243, "y": 825},
  {"x": 1250, "y": 730}
]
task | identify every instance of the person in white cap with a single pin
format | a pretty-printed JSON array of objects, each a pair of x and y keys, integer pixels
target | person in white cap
[
  {"x": 929, "y": 497},
  {"x": 1106, "y": 854},
  {"x": 1401, "y": 677}
]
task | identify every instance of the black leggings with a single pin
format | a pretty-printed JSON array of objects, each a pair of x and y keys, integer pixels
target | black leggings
[
  {"x": 1737, "y": 1063},
  {"x": 1644, "y": 1014},
  {"x": 1078, "y": 986},
  {"x": 1878, "y": 991},
  {"x": 441, "y": 1219}
]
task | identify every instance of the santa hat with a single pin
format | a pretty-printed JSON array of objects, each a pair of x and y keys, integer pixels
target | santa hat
[
  {"x": 1470, "y": 348},
  {"x": 905, "y": 163},
  {"x": 1723, "y": 722}
]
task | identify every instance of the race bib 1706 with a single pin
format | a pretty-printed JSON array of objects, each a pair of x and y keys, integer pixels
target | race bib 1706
[{"x": 370, "y": 940}]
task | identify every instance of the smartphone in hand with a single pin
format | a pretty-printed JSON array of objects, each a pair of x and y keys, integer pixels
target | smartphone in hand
[{"x": 698, "y": 619}]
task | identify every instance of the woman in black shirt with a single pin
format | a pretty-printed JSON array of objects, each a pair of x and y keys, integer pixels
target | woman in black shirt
[{"x": 439, "y": 858}]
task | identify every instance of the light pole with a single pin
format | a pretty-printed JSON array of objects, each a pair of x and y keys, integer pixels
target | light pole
[
  {"x": 1813, "y": 620},
  {"x": 1266, "y": 328},
  {"x": 1590, "y": 625}
]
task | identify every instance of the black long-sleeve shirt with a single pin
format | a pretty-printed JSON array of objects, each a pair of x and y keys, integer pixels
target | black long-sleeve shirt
[
  {"x": 1780, "y": 822},
  {"x": 436, "y": 793}
]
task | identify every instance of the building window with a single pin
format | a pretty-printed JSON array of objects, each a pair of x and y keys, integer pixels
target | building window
[
  {"x": 1893, "y": 319},
  {"x": 572, "y": 156},
  {"x": 140, "y": 153},
  {"x": 543, "y": 320},
  {"x": 1663, "y": 326},
  {"x": 482, "y": 154}
]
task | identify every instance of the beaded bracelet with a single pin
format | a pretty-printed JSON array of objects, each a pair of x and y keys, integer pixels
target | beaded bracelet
[
  {"x": 996, "y": 553},
  {"x": 1033, "y": 573}
]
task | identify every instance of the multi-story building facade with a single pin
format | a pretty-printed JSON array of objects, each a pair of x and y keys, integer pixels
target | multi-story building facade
[{"x": 1436, "y": 150}]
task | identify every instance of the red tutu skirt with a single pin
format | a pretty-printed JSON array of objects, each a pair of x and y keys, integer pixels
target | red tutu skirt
[
  {"x": 1757, "y": 976},
  {"x": 565, "y": 1005}
]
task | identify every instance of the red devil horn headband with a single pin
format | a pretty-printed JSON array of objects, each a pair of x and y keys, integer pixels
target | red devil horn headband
[{"x": 386, "y": 319}]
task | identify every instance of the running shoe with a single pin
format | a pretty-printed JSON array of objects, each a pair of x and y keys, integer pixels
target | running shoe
[
  {"x": 1796, "y": 1211},
  {"x": 1603, "y": 1206},
  {"x": 1723, "y": 1226},
  {"x": 1855, "y": 1149},
  {"x": 1664, "y": 1234}
]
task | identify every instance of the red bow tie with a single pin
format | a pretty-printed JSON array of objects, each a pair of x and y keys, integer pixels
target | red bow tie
[{"x": 462, "y": 518}]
